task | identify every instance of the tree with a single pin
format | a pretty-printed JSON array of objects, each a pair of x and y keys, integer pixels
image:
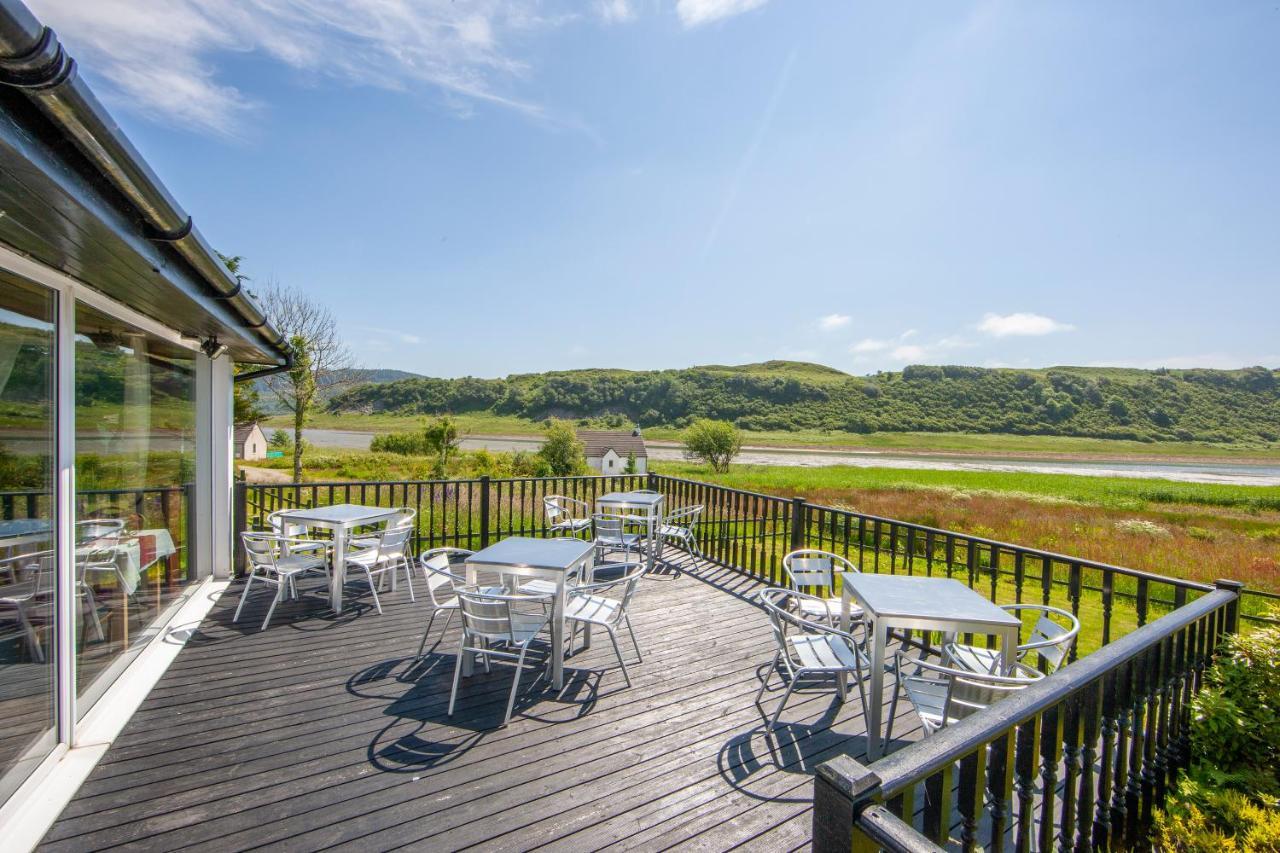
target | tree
[
  {"x": 441, "y": 438},
  {"x": 562, "y": 451},
  {"x": 280, "y": 440},
  {"x": 631, "y": 463},
  {"x": 712, "y": 442},
  {"x": 303, "y": 388},
  {"x": 321, "y": 361}
]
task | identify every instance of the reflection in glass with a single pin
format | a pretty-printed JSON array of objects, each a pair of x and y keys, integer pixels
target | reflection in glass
[
  {"x": 27, "y": 565},
  {"x": 135, "y": 463}
]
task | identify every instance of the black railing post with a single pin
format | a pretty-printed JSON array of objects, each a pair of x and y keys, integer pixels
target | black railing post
[
  {"x": 239, "y": 524},
  {"x": 484, "y": 511},
  {"x": 1233, "y": 609},
  {"x": 842, "y": 789},
  {"x": 798, "y": 532},
  {"x": 652, "y": 480}
]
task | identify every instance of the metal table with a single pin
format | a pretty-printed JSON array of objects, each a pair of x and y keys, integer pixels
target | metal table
[
  {"x": 552, "y": 559},
  {"x": 341, "y": 519},
  {"x": 637, "y": 503},
  {"x": 920, "y": 604}
]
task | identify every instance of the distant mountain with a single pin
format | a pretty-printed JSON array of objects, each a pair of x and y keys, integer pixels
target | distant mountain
[
  {"x": 358, "y": 378},
  {"x": 1146, "y": 405}
]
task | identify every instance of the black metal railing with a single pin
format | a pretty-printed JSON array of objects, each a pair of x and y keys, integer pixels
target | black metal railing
[
  {"x": 458, "y": 513},
  {"x": 169, "y": 507},
  {"x": 1077, "y": 761}
]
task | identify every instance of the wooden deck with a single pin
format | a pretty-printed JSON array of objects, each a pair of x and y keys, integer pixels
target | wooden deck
[{"x": 324, "y": 732}]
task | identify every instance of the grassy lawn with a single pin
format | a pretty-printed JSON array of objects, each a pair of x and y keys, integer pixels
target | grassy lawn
[
  {"x": 1187, "y": 530},
  {"x": 489, "y": 424}
]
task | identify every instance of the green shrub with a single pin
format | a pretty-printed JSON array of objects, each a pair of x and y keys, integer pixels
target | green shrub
[{"x": 1230, "y": 797}]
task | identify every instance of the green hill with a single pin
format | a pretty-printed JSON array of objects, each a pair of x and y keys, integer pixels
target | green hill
[{"x": 1225, "y": 406}]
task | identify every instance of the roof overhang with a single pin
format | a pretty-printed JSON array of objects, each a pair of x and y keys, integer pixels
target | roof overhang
[{"x": 76, "y": 196}]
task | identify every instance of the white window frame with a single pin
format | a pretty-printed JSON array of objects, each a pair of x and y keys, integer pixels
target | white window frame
[{"x": 82, "y": 739}]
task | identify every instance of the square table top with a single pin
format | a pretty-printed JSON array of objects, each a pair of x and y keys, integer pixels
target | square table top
[
  {"x": 525, "y": 552},
  {"x": 941, "y": 599},
  {"x": 340, "y": 514},
  {"x": 631, "y": 498}
]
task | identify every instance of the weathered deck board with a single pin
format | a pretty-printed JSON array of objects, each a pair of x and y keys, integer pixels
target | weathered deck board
[{"x": 324, "y": 732}]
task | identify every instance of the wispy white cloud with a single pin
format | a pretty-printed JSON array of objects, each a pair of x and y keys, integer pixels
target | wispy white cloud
[
  {"x": 831, "y": 322},
  {"x": 695, "y": 13},
  {"x": 868, "y": 345},
  {"x": 1021, "y": 324},
  {"x": 160, "y": 58},
  {"x": 898, "y": 350},
  {"x": 615, "y": 11}
]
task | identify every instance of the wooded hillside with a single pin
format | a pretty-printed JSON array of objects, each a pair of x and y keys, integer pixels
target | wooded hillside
[{"x": 1201, "y": 405}]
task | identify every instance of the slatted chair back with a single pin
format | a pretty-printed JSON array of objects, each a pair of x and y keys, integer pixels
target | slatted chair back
[
  {"x": 970, "y": 692},
  {"x": 438, "y": 568},
  {"x": 1050, "y": 639},
  {"x": 392, "y": 542},
  {"x": 557, "y": 508},
  {"x": 609, "y": 527},
  {"x": 486, "y": 616},
  {"x": 93, "y": 529},
  {"x": 810, "y": 568},
  {"x": 260, "y": 548}
]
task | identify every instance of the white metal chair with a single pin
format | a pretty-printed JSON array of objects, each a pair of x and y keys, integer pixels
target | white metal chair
[
  {"x": 566, "y": 515},
  {"x": 809, "y": 568},
  {"x": 942, "y": 695},
  {"x": 807, "y": 648},
  {"x": 277, "y": 561},
  {"x": 610, "y": 534},
  {"x": 443, "y": 584},
  {"x": 387, "y": 555},
  {"x": 508, "y": 621},
  {"x": 31, "y": 600},
  {"x": 681, "y": 527},
  {"x": 1050, "y": 641},
  {"x": 404, "y": 517},
  {"x": 586, "y": 606}
]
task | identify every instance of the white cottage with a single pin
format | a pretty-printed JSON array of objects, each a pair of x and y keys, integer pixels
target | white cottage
[
  {"x": 607, "y": 452},
  {"x": 250, "y": 442}
]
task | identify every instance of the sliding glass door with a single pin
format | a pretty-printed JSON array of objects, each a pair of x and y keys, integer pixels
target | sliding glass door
[
  {"x": 28, "y": 564},
  {"x": 135, "y": 472}
]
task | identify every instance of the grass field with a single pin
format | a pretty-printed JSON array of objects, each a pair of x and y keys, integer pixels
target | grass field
[
  {"x": 1187, "y": 530},
  {"x": 1059, "y": 446}
]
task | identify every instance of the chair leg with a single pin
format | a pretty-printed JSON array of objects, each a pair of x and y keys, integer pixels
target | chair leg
[
  {"x": 408, "y": 576},
  {"x": 93, "y": 611},
  {"x": 768, "y": 675},
  {"x": 515, "y": 684},
  {"x": 617, "y": 650},
  {"x": 457, "y": 671},
  {"x": 773, "y": 724},
  {"x": 279, "y": 594},
  {"x": 634, "y": 641},
  {"x": 425, "y": 632},
  {"x": 373, "y": 589},
  {"x": 244, "y": 593}
]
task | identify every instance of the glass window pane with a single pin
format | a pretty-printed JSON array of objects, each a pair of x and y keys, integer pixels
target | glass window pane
[
  {"x": 135, "y": 468},
  {"x": 27, "y": 565}
]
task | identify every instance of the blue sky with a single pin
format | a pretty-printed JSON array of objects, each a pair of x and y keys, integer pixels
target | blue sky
[{"x": 484, "y": 187}]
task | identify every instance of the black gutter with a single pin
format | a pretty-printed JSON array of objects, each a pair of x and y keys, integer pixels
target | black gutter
[
  {"x": 32, "y": 59},
  {"x": 267, "y": 371}
]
